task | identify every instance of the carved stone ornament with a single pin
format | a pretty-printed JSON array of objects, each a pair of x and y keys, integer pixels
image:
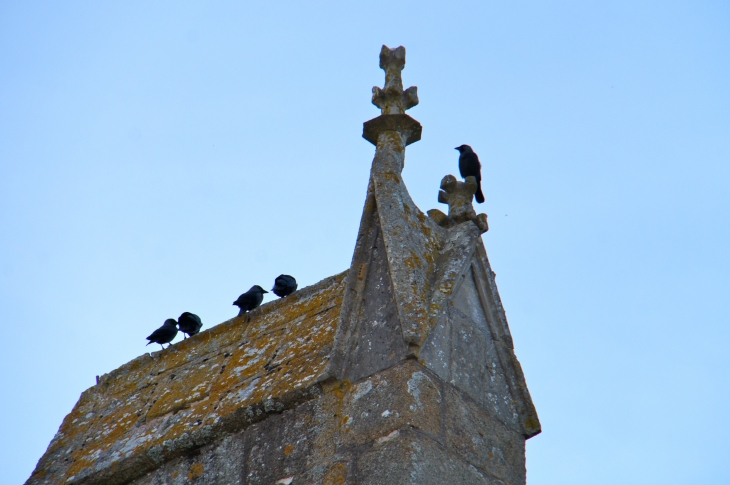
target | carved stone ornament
[
  {"x": 458, "y": 195},
  {"x": 393, "y": 101}
]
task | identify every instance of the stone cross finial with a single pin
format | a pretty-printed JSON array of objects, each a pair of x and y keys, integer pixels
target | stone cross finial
[
  {"x": 459, "y": 196},
  {"x": 392, "y": 100}
]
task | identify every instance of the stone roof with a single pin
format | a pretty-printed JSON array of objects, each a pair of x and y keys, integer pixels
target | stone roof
[{"x": 160, "y": 405}]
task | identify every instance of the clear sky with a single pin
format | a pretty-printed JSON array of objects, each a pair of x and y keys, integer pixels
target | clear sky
[{"x": 160, "y": 157}]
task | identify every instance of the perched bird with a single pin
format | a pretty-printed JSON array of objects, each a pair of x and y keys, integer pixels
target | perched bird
[
  {"x": 284, "y": 285},
  {"x": 250, "y": 300},
  {"x": 469, "y": 166},
  {"x": 189, "y": 323},
  {"x": 165, "y": 334}
]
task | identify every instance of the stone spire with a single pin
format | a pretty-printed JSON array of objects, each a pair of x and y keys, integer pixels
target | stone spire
[{"x": 421, "y": 288}]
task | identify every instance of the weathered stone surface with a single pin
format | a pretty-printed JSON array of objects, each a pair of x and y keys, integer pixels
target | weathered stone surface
[
  {"x": 407, "y": 457},
  {"x": 412, "y": 240},
  {"x": 211, "y": 465},
  {"x": 409, "y": 128},
  {"x": 337, "y": 470},
  {"x": 334, "y": 438},
  {"x": 403, "y": 396},
  {"x": 478, "y": 437},
  {"x": 294, "y": 444},
  {"x": 436, "y": 353},
  {"x": 378, "y": 342},
  {"x": 476, "y": 366},
  {"x": 497, "y": 320},
  {"x": 440, "y": 218}
]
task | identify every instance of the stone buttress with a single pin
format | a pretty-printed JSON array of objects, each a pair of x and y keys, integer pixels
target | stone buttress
[{"x": 398, "y": 371}]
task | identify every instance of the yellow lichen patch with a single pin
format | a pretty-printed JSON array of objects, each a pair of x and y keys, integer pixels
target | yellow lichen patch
[
  {"x": 77, "y": 423},
  {"x": 413, "y": 262},
  {"x": 246, "y": 362},
  {"x": 132, "y": 376},
  {"x": 117, "y": 419},
  {"x": 339, "y": 390},
  {"x": 196, "y": 470},
  {"x": 310, "y": 336},
  {"x": 297, "y": 373},
  {"x": 290, "y": 314},
  {"x": 425, "y": 227},
  {"x": 391, "y": 175},
  {"x": 184, "y": 385},
  {"x": 288, "y": 450},
  {"x": 532, "y": 424},
  {"x": 336, "y": 475}
]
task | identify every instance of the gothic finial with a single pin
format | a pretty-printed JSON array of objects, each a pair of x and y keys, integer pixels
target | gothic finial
[
  {"x": 392, "y": 100},
  {"x": 459, "y": 196}
]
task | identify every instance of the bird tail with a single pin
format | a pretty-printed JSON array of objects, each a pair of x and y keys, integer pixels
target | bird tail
[
  {"x": 479, "y": 196},
  {"x": 148, "y": 343}
]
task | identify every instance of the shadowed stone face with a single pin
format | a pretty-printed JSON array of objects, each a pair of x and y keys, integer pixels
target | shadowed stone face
[{"x": 379, "y": 338}]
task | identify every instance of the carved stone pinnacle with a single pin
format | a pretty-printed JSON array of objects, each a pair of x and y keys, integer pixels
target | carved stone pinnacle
[
  {"x": 459, "y": 196},
  {"x": 392, "y": 100}
]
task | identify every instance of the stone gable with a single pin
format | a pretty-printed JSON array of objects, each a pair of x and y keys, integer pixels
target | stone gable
[{"x": 400, "y": 370}]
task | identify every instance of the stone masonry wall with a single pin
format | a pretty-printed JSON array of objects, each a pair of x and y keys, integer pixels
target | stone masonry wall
[{"x": 402, "y": 426}]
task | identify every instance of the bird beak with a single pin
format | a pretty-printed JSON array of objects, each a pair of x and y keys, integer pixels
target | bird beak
[
  {"x": 265, "y": 291},
  {"x": 456, "y": 148}
]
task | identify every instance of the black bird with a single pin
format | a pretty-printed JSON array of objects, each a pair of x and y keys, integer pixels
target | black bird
[
  {"x": 469, "y": 166},
  {"x": 165, "y": 334},
  {"x": 250, "y": 300},
  {"x": 284, "y": 285},
  {"x": 189, "y": 323}
]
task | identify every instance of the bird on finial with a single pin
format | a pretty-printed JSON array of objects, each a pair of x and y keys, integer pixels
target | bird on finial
[{"x": 469, "y": 166}]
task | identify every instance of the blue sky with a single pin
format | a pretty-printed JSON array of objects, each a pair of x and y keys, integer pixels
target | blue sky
[{"x": 160, "y": 157}]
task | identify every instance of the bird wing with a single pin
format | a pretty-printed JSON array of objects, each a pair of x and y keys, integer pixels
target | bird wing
[
  {"x": 154, "y": 336},
  {"x": 245, "y": 299}
]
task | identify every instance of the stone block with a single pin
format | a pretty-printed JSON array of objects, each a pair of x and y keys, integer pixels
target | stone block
[
  {"x": 337, "y": 470},
  {"x": 288, "y": 444},
  {"x": 406, "y": 395},
  {"x": 482, "y": 440},
  {"x": 217, "y": 464},
  {"x": 406, "y": 457}
]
